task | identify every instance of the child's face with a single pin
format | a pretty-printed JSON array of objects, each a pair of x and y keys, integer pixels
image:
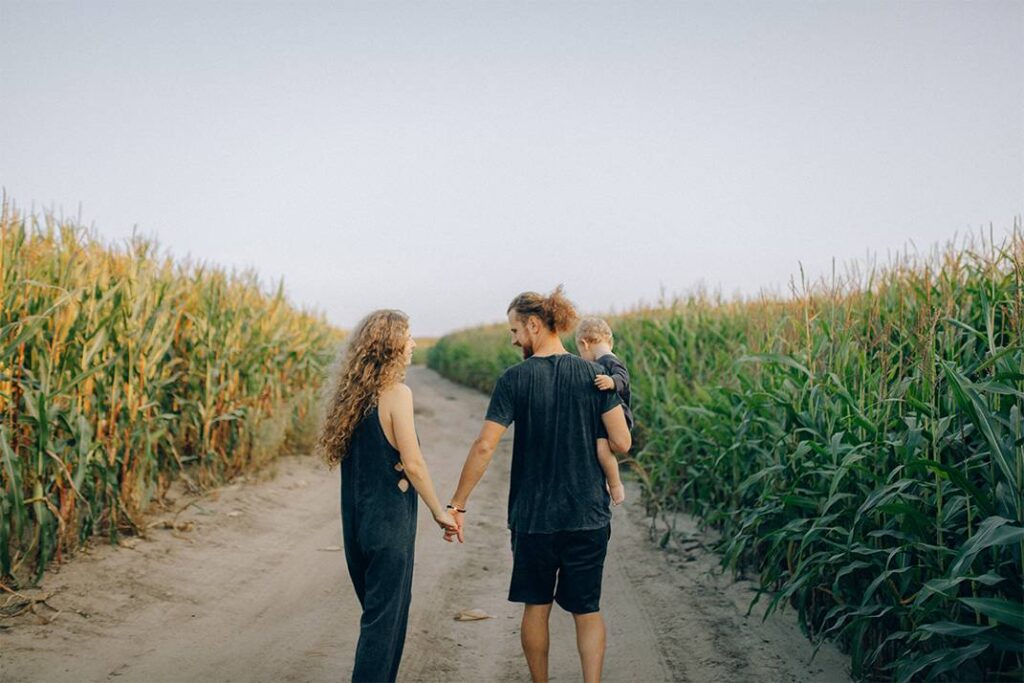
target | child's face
[{"x": 586, "y": 350}]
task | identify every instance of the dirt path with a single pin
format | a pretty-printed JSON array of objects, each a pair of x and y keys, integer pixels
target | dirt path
[{"x": 257, "y": 591}]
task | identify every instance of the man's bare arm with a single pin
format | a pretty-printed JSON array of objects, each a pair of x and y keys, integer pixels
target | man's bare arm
[
  {"x": 476, "y": 464},
  {"x": 618, "y": 432}
]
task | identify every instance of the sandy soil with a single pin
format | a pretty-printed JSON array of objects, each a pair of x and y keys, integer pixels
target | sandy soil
[{"x": 255, "y": 589}]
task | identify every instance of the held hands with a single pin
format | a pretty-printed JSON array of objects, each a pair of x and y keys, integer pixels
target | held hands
[
  {"x": 447, "y": 523},
  {"x": 451, "y": 533},
  {"x": 604, "y": 382}
]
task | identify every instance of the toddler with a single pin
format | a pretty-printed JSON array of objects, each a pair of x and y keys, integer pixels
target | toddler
[{"x": 594, "y": 341}]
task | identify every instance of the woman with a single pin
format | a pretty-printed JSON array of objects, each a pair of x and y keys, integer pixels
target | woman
[{"x": 369, "y": 430}]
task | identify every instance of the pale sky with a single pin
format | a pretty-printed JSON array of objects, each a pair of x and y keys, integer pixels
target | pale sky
[{"x": 442, "y": 157}]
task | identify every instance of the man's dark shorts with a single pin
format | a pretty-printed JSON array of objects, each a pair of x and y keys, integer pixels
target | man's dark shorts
[{"x": 573, "y": 559}]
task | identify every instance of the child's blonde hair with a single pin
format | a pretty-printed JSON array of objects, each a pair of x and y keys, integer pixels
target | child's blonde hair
[{"x": 594, "y": 330}]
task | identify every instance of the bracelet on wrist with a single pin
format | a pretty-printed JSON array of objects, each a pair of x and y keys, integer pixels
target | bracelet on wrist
[{"x": 449, "y": 506}]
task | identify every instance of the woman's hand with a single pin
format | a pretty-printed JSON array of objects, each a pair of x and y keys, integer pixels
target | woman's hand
[
  {"x": 446, "y": 522},
  {"x": 456, "y": 532}
]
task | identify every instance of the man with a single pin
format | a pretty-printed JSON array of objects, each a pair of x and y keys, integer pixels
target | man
[{"x": 558, "y": 506}]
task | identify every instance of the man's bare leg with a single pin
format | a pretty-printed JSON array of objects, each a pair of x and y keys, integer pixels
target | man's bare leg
[
  {"x": 590, "y": 638},
  {"x": 534, "y": 636}
]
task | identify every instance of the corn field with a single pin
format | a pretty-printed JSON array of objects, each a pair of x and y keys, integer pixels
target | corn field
[
  {"x": 859, "y": 444},
  {"x": 120, "y": 370}
]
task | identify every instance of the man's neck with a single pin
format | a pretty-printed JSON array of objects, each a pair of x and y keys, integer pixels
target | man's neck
[{"x": 551, "y": 346}]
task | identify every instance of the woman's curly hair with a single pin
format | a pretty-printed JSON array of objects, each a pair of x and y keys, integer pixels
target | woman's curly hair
[{"x": 372, "y": 360}]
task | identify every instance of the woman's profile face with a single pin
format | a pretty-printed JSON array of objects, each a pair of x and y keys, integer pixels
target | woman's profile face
[{"x": 410, "y": 344}]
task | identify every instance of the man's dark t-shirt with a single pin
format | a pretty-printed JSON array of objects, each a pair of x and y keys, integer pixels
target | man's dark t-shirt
[
  {"x": 557, "y": 483},
  {"x": 614, "y": 368}
]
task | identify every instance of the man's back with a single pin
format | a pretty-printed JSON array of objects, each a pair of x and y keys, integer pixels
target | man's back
[
  {"x": 558, "y": 507},
  {"x": 557, "y": 483}
]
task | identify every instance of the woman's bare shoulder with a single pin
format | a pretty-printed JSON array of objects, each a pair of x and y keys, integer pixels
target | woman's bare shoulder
[{"x": 395, "y": 394}]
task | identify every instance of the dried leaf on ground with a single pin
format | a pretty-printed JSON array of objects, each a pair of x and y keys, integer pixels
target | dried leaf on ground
[{"x": 471, "y": 615}]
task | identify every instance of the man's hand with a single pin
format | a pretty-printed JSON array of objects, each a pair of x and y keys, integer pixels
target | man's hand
[
  {"x": 604, "y": 382},
  {"x": 452, "y": 533}
]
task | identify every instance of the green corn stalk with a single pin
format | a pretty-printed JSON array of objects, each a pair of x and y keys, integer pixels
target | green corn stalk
[{"x": 859, "y": 446}]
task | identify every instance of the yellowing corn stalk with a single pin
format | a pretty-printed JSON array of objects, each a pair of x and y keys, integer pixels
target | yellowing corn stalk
[{"x": 119, "y": 368}]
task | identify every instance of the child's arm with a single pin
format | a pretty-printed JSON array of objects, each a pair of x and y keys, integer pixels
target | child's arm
[
  {"x": 619, "y": 375},
  {"x": 610, "y": 466}
]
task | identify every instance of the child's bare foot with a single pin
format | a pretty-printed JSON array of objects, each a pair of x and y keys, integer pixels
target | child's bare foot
[{"x": 618, "y": 494}]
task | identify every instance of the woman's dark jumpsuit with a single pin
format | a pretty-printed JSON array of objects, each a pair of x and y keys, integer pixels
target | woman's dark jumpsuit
[{"x": 378, "y": 522}]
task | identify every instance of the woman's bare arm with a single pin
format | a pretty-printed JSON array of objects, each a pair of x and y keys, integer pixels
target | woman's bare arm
[{"x": 398, "y": 400}]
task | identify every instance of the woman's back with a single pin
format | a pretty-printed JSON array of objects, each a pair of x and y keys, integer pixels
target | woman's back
[{"x": 377, "y": 502}]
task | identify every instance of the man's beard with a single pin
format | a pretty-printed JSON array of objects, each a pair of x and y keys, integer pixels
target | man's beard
[{"x": 527, "y": 350}]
